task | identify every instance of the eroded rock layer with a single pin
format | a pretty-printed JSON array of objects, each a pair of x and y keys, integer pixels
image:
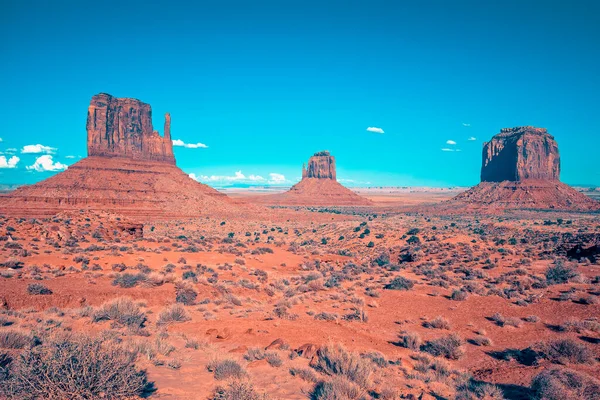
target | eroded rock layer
[
  {"x": 321, "y": 165},
  {"x": 122, "y": 127},
  {"x": 521, "y": 153},
  {"x": 134, "y": 188}
]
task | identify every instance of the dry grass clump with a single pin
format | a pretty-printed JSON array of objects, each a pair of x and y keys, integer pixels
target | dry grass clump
[
  {"x": 11, "y": 339},
  {"x": 459, "y": 295},
  {"x": 226, "y": 369},
  {"x": 238, "y": 390},
  {"x": 74, "y": 367},
  {"x": 339, "y": 387},
  {"x": 469, "y": 389},
  {"x": 501, "y": 320},
  {"x": 410, "y": 340},
  {"x": 305, "y": 374},
  {"x": 563, "y": 383},
  {"x": 587, "y": 325},
  {"x": 185, "y": 294},
  {"x": 38, "y": 289},
  {"x": 172, "y": 314},
  {"x": 437, "y": 323},
  {"x": 121, "y": 310},
  {"x": 564, "y": 351},
  {"x": 449, "y": 346},
  {"x": 334, "y": 360},
  {"x": 400, "y": 283}
]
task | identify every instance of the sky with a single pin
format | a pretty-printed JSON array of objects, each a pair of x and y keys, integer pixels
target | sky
[{"x": 402, "y": 93}]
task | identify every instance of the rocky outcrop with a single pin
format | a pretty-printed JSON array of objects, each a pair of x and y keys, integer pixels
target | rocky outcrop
[
  {"x": 321, "y": 165},
  {"x": 521, "y": 153},
  {"x": 318, "y": 187},
  {"x": 520, "y": 170},
  {"x": 122, "y": 127}
]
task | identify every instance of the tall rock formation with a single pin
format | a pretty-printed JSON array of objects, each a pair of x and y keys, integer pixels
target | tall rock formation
[
  {"x": 521, "y": 153},
  {"x": 318, "y": 187},
  {"x": 520, "y": 170},
  {"x": 130, "y": 170},
  {"x": 321, "y": 165},
  {"x": 122, "y": 127}
]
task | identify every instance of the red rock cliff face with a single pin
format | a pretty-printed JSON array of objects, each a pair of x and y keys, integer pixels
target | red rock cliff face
[
  {"x": 518, "y": 154},
  {"x": 321, "y": 165},
  {"x": 122, "y": 127}
]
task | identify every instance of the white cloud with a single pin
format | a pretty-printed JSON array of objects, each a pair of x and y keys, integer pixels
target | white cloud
[
  {"x": 45, "y": 163},
  {"x": 467, "y": 125},
  {"x": 374, "y": 129},
  {"x": 276, "y": 178},
  {"x": 10, "y": 163},
  {"x": 472, "y": 138},
  {"x": 69, "y": 156},
  {"x": 11, "y": 150},
  {"x": 447, "y": 149},
  {"x": 0, "y": 139},
  {"x": 240, "y": 177},
  {"x": 451, "y": 142},
  {"x": 179, "y": 142},
  {"x": 37, "y": 148}
]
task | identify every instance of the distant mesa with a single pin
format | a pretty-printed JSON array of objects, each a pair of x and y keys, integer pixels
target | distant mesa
[
  {"x": 122, "y": 127},
  {"x": 321, "y": 165},
  {"x": 318, "y": 187},
  {"x": 518, "y": 154},
  {"x": 130, "y": 170},
  {"x": 521, "y": 170}
]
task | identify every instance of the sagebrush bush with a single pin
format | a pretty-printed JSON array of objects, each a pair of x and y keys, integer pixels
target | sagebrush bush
[
  {"x": 560, "y": 273},
  {"x": 121, "y": 310},
  {"x": 338, "y": 388},
  {"x": 410, "y": 340},
  {"x": 11, "y": 339},
  {"x": 447, "y": 346},
  {"x": 334, "y": 359},
  {"x": 226, "y": 369},
  {"x": 400, "y": 283},
  {"x": 127, "y": 280},
  {"x": 238, "y": 390},
  {"x": 38, "y": 288},
  {"x": 185, "y": 294},
  {"x": 563, "y": 383},
  {"x": 171, "y": 314},
  {"x": 74, "y": 367},
  {"x": 564, "y": 351}
]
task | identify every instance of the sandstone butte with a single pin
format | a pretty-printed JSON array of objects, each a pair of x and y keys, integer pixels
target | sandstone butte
[
  {"x": 130, "y": 169},
  {"x": 318, "y": 187},
  {"x": 521, "y": 170}
]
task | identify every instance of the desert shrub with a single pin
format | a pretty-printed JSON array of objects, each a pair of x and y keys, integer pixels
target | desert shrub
[
  {"x": 459, "y": 295},
  {"x": 437, "y": 323},
  {"x": 171, "y": 314},
  {"x": 238, "y": 390},
  {"x": 469, "y": 389},
  {"x": 481, "y": 341},
  {"x": 273, "y": 359},
  {"x": 325, "y": 316},
  {"x": 563, "y": 383},
  {"x": 560, "y": 273},
  {"x": 11, "y": 339},
  {"x": 501, "y": 320},
  {"x": 38, "y": 288},
  {"x": 226, "y": 369},
  {"x": 338, "y": 388},
  {"x": 185, "y": 294},
  {"x": 574, "y": 325},
  {"x": 305, "y": 374},
  {"x": 127, "y": 280},
  {"x": 400, "y": 283},
  {"x": 410, "y": 340},
  {"x": 334, "y": 359},
  {"x": 121, "y": 310},
  {"x": 190, "y": 275},
  {"x": 563, "y": 351},
  {"x": 449, "y": 346},
  {"x": 75, "y": 367}
]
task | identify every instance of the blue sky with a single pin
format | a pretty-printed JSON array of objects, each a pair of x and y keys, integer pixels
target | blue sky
[{"x": 265, "y": 84}]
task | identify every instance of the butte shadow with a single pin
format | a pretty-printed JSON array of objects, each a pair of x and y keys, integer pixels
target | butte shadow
[{"x": 130, "y": 170}]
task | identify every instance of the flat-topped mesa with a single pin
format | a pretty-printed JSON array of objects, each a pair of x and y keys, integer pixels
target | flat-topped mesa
[
  {"x": 321, "y": 166},
  {"x": 122, "y": 127},
  {"x": 521, "y": 153}
]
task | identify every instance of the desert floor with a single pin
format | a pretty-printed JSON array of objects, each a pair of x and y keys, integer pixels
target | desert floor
[{"x": 268, "y": 292}]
